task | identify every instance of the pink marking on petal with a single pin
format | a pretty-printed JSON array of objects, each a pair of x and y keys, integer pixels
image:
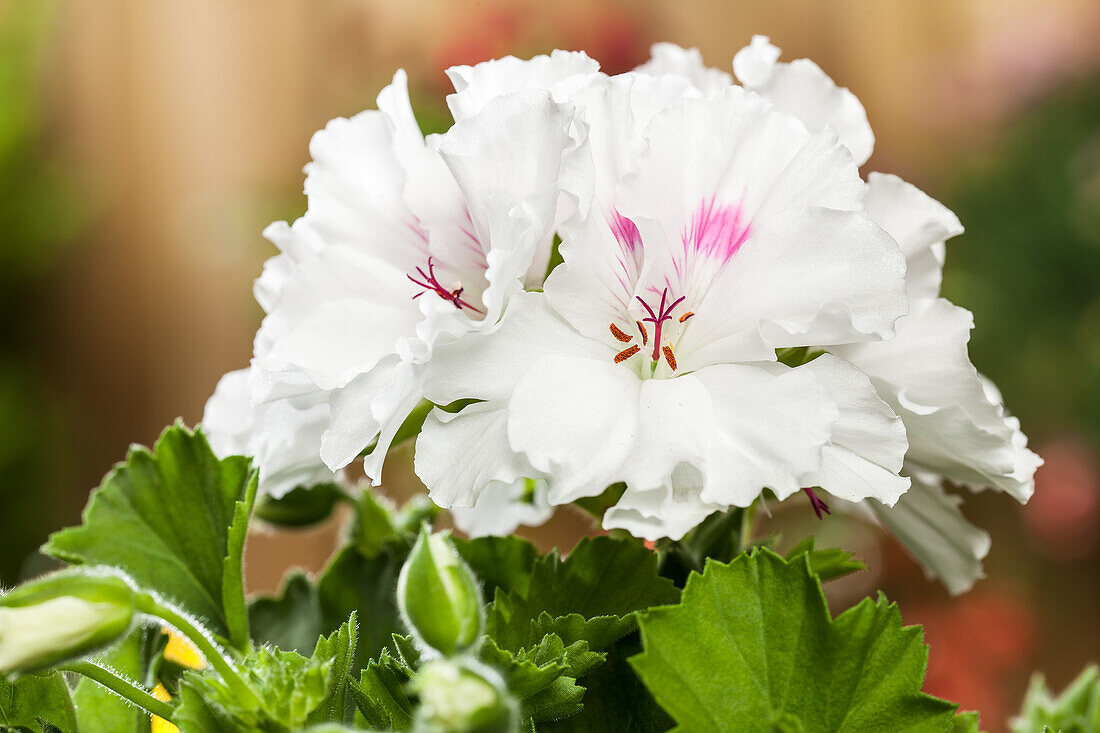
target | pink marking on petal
[
  {"x": 717, "y": 231},
  {"x": 625, "y": 231}
]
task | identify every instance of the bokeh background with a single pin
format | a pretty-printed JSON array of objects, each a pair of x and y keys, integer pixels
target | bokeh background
[{"x": 144, "y": 146}]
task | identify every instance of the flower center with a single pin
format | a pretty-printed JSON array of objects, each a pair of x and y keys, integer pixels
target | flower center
[
  {"x": 657, "y": 318},
  {"x": 430, "y": 284}
]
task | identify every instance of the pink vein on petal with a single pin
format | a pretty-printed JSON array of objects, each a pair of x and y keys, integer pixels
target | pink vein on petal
[{"x": 717, "y": 231}]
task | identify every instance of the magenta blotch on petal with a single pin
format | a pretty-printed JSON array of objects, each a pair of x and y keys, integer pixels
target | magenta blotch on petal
[{"x": 717, "y": 231}]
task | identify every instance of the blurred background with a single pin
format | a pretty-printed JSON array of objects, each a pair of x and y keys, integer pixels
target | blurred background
[{"x": 144, "y": 146}]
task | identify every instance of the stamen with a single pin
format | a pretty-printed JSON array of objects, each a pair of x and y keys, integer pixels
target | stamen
[
  {"x": 627, "y": 353},
  {"x": 645, "y": 334},
  {"x": 620, "y": 334},
  {"x": 816, "y": 503},
  {"x": 686, "y": 316},
  {"x": 669, "y": 356}
]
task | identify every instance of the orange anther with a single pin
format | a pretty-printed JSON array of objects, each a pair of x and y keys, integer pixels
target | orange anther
[
  {"x": 645, "y": 333},
  {"x": 686, "y": 316},
  {"x": 627, "y": 353},
  {"x": 619, "y": 334},
  {"x": 669, "y": 356}
]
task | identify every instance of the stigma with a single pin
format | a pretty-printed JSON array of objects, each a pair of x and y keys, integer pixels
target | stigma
[{"x": 431, "y": 284}]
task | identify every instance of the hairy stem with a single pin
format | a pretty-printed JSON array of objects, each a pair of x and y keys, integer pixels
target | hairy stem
[
  {"x": 121, "y": 687},
  {"x": 214, "y": 656}
]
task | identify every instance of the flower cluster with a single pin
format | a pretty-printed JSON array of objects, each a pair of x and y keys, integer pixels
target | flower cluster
[{"x": 661, "y": 280}]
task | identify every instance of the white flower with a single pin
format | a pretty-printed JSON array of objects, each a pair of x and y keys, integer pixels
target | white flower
[
  {"x": 283, "y": 437},
  {"x": 955, "y": 420},
  {"x": 650, "y": 359},
  {"x": 406, "y": 243}
]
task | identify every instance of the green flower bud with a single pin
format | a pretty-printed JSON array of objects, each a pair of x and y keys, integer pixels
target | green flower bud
[
  {"x": 462, "y": 697},
  {"x": 439, "y": 596},
  {"x": 61, "y": 616}
]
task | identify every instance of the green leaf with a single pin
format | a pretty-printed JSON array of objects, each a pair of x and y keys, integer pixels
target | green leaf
[
  {"x": 1076, "y": 710},
  {"x": 797, "y": 355},
  {"x": 291, "y": 621},
  {"x": 201, "y": 713},
  {"x": 338, "y": 651},
  {"x": 768, "y": 657},
  {"x": 717, "y": 537},
  {"x": 966, "y": 723},
  {"x": 544, "y": 677},
  {"x": 290, "y": 688},
  {"x": 499, "y": 562},
  {"x": 592, "y": 595},
  {"x": 615, "y": 699},
  {"x": 597, "y": 505},
  {"x": 825, "y": 564},
  {"x": 35, "y": 699},
  {"x": 174, "y": 520},
  {"x": 375, "y": 527},
  {"x": 368, "y": 587},
  {"x": 98, "y": 710},
  {"x": 299, "y": 507},
  {"x": 380, "y": 695}
]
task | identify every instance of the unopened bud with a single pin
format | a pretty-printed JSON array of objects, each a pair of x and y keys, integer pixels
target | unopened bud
[
  {"x": 462, "y": 697},
  {"x": 439, "y": 595},
  {"x": 61, "y": 616}
]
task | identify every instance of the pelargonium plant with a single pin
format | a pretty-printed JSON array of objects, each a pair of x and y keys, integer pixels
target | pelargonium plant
[{"x": 664, "y": 297}]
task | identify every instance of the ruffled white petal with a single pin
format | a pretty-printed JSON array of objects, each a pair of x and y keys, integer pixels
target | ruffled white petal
[
  {"x": 668, "y": 59},
  {"x": 389, "y": 409},
  {"x": 282, "y": 437},
  {"x": 575, "y": 419},
  {"x": 507, "y": 160},
  {"x": 340, "y": 313},
  {"x": 771, "y": 425},
  {"x": 460, "y": 455},
  {"x": 502, "y": 508},
  {"x": 919, "y": 223},
  {"x": 561, "y": 73},
  {"x": 867, "y": 444},
  {"x": 802, "y": 89},
  {"x": 488, "y": 365},
  {"x": 356, "y": 182},
  {"x": 928, "y": 523},
  {"x": 956, "y": 428},
  {"x": 352, "y": 425},
  {"x": 671, "y": 511}
]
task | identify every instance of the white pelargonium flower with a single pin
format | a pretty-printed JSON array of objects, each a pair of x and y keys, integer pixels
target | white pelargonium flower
[
  {"x": 650, "y": 357},
  {"x": 955, "y": 420},
  {"x": 283, "y": 437},
  {"x": 407, "y": 242}
]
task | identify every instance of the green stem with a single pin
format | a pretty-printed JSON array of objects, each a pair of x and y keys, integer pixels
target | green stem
[
  {"x": 121, "y": 687},
  {"x": 214, "y": 656},
  {"x": 747, "y": 517}
]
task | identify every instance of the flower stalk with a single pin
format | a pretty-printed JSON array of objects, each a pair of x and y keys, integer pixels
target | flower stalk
[
  {"x": 121, "y": 687},
  {"x": 214, "y": 656}
]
